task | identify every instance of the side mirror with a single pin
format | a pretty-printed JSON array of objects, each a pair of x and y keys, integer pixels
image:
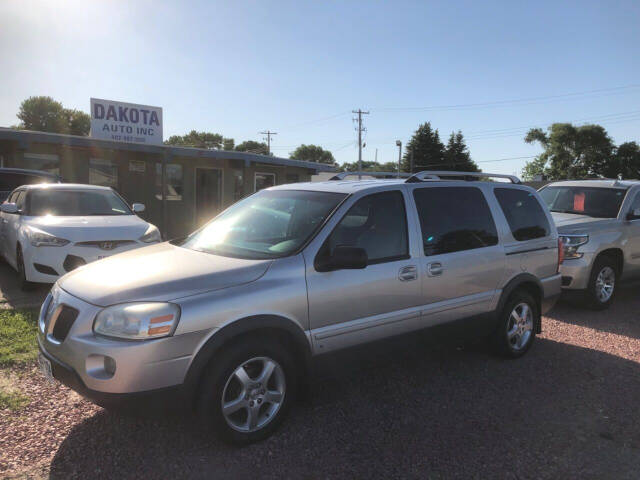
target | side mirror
[
  {"x": 345, "y": 257},
  {"x": 138, "y": 207},
  {"x": 634, "y": 214},
  {"x": 9, "y": 208}
]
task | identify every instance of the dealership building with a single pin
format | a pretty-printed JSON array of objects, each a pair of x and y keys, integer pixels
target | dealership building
[{"x": 181, "y": 187}]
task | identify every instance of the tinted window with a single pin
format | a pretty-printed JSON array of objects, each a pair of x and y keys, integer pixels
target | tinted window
[
  {"x": 524, "y": 214},
  {"x": 594, "y": 202},
  {"x": 377, "y": 223},
  {"x": 453, "y": 219},
  {"x": 75, "y": 203}
]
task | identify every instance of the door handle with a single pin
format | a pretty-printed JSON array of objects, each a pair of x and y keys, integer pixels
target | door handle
[
  {"x": 434, "y": 269},
  {"x": 408, "y": 273}
]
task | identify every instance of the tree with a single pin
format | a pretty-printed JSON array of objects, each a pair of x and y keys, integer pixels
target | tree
[
  {"x": 252, "y": 146},
  {"x": 570, "y": 152},
  {"x": 78, "y": 122},
  {"x": 44, "y": 114},
  {"x": 457, "y": 156},
  {"x": 208, "y": 140},
  {"x": 368, "y": 166},
  {"x": 313, "y": 153},
  {"x": 427, "y": 150},
  {"x": 625, "y": 162}
]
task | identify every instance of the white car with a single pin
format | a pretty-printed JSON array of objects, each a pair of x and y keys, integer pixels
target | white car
[{"x": 48, "y": 230}]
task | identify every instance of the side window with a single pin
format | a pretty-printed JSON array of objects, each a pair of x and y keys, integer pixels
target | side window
[
  {"x": 13, "y": 197},
  {"x": 377, "y": 223},
  {"x": 634, "y": 207},
  {"x": 20, "y": 199},
  {"x": 523, "y": 212},
  {"x": 453, "y": 219}
]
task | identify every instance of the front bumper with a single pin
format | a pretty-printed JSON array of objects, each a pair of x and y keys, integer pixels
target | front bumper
[
  {"x": 47, "y": 264},
  {"x": 169, "y": 398},
  {"x": 576, "y": 272},
  {"x": 140, "y": 366}
]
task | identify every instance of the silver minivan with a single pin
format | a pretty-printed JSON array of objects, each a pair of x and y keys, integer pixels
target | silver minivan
[{"x": 228, "y": 319}]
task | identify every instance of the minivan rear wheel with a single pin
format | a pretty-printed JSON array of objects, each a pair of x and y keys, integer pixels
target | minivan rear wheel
[
  {"x": 516, "y": 329},
  {"x": 248, "y": 390}
]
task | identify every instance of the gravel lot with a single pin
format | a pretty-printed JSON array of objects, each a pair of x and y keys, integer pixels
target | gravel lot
[{"x": 568, "y": 409}]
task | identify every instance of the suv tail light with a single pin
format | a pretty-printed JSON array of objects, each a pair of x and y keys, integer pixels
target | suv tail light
[{"x": 560, "y": 253}]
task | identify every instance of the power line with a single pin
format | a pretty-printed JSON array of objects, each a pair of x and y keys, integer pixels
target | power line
[
  {"x": 565, "y": 96},
  {"x": 268, "y": 133}
]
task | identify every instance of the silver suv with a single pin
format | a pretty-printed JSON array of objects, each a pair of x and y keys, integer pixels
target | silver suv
[
  {"x": 228, "y": 318},
  {"x": 599, "y": 224}
]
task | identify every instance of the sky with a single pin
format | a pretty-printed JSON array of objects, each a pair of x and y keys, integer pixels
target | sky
[{"x": 490, "y": 69}]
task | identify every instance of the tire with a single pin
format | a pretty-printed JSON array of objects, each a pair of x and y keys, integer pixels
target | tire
[
  {"x": 25, "y": 285},
  {"x": 252, "y": 416},
  {"x": 516, "y": 327},
  {"x": 604, "y": 278}
]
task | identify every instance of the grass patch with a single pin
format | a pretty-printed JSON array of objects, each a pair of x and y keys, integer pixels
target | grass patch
[
  {"x": 13, "y": 400},
  {"x": 10, "y": 396},
  {"x": 18, "y": 343}
]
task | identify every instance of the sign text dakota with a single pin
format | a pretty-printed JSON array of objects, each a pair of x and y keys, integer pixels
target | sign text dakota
[{"x": 126, "y": 122}]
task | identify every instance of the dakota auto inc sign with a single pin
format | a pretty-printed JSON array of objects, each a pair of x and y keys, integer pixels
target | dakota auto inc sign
[{"x": 126, "y": 122}]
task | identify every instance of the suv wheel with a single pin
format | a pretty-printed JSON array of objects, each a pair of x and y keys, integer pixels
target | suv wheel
[
  {"x": 602, "y": 283},
  {"x": 248, "y": 390},
  {"x": 516, "y": 330}
]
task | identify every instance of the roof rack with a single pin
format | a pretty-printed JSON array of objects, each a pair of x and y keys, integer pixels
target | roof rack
[
  {"x": 468, "y": 176},
  {"x": 342, "y": 175}
]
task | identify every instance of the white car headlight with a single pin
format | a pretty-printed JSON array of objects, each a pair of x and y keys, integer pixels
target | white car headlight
[
  {"x": 138, "y": 321},
  {"x": 151, "y": 235},
  {"x": 40, "y": 238},
  {"x": 571, "y": 244}
]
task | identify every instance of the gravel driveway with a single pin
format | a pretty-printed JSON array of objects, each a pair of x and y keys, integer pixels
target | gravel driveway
[{"x": 570, "y": 408}]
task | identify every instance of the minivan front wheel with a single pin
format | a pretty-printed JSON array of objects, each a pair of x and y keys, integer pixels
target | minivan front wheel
[
  {"x": 516, "y": 330},
  {"x": 248, "y": 390}
]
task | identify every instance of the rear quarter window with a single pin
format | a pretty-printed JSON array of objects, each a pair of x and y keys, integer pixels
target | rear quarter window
[{"x": 523, "y": 212}]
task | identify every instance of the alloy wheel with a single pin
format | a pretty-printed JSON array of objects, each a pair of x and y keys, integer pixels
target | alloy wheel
[
  {"x": 253, "y": 394},
  {"x": 605, "y": 284},
  {"x": 520, "y": 326}
]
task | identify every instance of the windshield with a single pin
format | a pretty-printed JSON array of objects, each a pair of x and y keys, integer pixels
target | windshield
[
  {"x": 70, "y": 203},
  {"x": 594, "y": 202},
  {"x": 268, "y": 224}
]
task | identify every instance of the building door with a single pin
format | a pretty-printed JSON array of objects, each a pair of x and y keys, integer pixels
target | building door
[{"x": 208, "y": 194}]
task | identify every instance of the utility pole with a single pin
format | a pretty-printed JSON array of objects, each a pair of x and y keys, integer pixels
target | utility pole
[
  {"x": 360, "y": 113},
  {"x": 399, "y": 145},
  {"x": 268, "y": 133}
]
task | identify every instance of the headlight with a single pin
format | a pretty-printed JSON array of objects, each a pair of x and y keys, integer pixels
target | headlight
[
  {"x": 40, "y": 238},
  {"x": 151, "y": 235},
  {"x": 138, "y": 321},
  {"x": 571, "y": 244}
]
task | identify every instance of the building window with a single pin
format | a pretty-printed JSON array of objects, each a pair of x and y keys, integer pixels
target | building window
[
  {"x": 264, "y": 180},
  {"x": 173, "y": 190},
  {"x": 292, "y": 178},
  {"x": 238, "y": 185},
  {"x": 103, "y": 172},
  {"x": 42, "y": 161}
]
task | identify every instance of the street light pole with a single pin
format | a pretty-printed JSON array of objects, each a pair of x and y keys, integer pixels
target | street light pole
[{"x": 399, "y": 144}]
